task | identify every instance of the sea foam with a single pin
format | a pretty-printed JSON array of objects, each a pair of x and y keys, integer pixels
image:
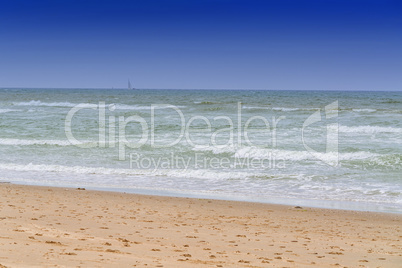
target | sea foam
[{"x": 24, "y": 142}]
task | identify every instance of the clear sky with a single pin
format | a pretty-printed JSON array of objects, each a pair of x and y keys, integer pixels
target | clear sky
[{"x": 203, "y": 44}]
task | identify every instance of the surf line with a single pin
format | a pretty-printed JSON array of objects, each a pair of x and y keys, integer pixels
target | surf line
[{"x": 148, "y": 133}]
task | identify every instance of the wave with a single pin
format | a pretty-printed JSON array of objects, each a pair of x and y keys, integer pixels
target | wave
[
  {"x": 51, "y": 104},
  {"x": 370, "y": 110},
  {"x": 42, "y": 142},
  {"x": 289, "y": 109},
  {"x": 265, "y": 153},
  {"x": 254, "y": 187},
  {"x": 255, "y": 107},
  {"x": 364, "y": 110},
  {"x": 300, "y": 155},
  {"x": 215, "y": 149},
  {"x": 112, "y": 106},
  {"x": 281, "y": 109},
  {"x": 119, "y": 106},
  {"x": 174, "y": 173},
  {"x": 2, "y": 111},
  {"x": 369, "y": 129},
  {"x": 392, "y": 161},
  {"x": 284, "y": 109}
]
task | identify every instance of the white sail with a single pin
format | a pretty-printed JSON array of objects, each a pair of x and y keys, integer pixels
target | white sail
[{"x": 129, "y": 85}]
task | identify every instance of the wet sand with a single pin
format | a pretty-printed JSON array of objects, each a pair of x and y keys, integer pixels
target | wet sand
[{"x": 44, "y": 226}]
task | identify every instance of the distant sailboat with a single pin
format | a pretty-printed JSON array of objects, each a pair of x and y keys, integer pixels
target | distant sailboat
[{"x": 129, "y": 85}]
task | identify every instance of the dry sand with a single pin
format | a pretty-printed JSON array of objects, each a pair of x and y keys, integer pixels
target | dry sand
[{"x": 43, "y": 226}]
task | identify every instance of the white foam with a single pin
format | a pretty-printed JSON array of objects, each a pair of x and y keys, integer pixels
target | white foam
[
  {"x": 299, "y": 155},
  {"x": 393, "y": 161},
  {"x": 52, "y": 104},
  {"x": 364, "y": 110},
  {"x": 369, "y": 129},
  {"x": 223, "y": 183},
  {"x": 2, "y": 111},
  {"x": 117, "y": 106},
  {"x": 255, "y": 107},
  {"x": 173, "y": 173},
  {"x": 284, "y": 109},
  {"x": 215, "y": 149},
  {"x": 40, "y": 142},
  {"x": 266, "y": 153}
]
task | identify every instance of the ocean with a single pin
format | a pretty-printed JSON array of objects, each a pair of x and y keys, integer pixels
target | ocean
[{"x": 331, "y": 149}]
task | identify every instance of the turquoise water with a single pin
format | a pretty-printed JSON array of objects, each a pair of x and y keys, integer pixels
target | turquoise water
[{"x": 326, "y": 149}]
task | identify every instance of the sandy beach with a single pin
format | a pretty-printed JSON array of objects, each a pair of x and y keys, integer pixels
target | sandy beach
[{"x": 67, "y": 227}]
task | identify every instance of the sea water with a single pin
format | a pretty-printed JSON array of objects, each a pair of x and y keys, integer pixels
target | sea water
[{"x": 317, "y": 148}]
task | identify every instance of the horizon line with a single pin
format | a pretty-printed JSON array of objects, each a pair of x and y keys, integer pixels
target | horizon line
[{"x": 228, "y": 89}]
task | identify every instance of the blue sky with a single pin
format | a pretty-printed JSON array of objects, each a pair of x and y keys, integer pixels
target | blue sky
[{"x": 203, "y": 44}]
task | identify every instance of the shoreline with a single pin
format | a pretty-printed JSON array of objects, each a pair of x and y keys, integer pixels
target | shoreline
[
  {"x": 70, "y": 227},
  {"x": 311, "y": 203}
]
